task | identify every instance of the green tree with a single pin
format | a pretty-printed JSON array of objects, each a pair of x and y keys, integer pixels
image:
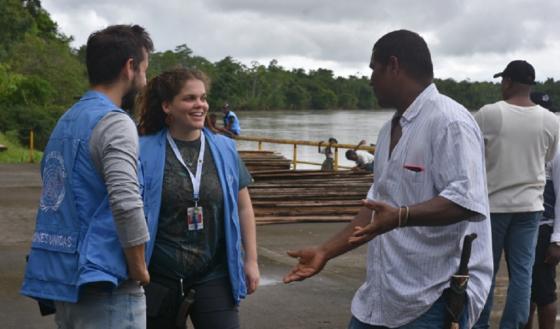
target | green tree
[
  {"x": 297, "y": 97},
  {"x": 15, "y": 22},
  {"x": 54, "y": 62},
  {"x": 230, "y": 82},
  {"x": 40, "y": 75}
]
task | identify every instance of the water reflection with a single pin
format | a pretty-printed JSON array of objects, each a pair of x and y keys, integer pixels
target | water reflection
[{"x": 348, "y": 127}]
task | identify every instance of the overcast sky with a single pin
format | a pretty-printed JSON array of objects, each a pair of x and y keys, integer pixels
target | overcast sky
[{"x": 469, "y": 39}]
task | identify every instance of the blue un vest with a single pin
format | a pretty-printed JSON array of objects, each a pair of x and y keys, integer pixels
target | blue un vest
[
  {"x": 235, "y": 127},
  {"x": 75, "y": 240},
  {"x": 224, "y": 154}
]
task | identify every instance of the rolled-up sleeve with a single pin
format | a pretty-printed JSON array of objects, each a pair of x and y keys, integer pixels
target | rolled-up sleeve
[
  {"x": 460, "y": 167},
  {"x": 114, "y": 149}
]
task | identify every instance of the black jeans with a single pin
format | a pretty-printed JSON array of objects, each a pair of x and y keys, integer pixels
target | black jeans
[{"x": 213, "y": 305}]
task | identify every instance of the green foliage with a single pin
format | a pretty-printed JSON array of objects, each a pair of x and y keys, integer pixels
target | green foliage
[
  {"x": 229, "y": 83},
  {"x": 54, "y": 62},
  {"x": 15, "y": 21},
  {"x": 297, "y": 97},
  {"x": 16, "y": 153},
  {"x": 44, "y": 26},
  {"x": 552, "y": 88},
  {"x": 23, "y": 102},
  {"x": 40, "y": 75},
  {"x": 472, "y": 95},
  {"x": 162, "y": 61},
  {"x": 322, "y": 98}
]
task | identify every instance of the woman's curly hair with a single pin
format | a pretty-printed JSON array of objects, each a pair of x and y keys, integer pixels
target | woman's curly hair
[{"x": 160, "y": 89}]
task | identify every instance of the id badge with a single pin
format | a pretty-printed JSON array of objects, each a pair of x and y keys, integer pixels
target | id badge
[{"x": 195, "y": 220}]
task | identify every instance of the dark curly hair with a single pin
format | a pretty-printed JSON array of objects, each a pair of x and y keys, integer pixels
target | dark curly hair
[{"x": 160, "y": 89}]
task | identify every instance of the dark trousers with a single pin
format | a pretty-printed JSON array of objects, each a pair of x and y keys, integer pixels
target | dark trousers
[
  {"x": 213, "y": 305},
  {"x": 543, "y": 289}
]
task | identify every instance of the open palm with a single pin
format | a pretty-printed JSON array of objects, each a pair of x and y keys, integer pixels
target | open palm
[{"x": 311, "y": 262}]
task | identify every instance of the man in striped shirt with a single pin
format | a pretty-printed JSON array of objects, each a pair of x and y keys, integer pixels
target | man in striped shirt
[{"x": 429, "y": 192}]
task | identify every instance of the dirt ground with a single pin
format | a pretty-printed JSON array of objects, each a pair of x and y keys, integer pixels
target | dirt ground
[{"x": 319, "y": 303}]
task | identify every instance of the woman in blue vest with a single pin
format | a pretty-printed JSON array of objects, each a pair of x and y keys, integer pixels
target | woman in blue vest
[{"x": 204, "y": 254}]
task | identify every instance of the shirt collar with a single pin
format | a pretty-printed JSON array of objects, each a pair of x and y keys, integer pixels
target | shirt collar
[
  {"x": 92, "y": 94},
  {"x": 414, "y": 109}
]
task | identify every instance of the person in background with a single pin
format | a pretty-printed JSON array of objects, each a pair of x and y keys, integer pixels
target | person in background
[
  {"x": 364, "y": 160},
  {"x": 205, "y": 251},
  {"x": 429, "y": 193},
  {"x": 211, "y": 123},
  {"x": 547, "y": 253},
  {"x": 231, "y": 122},
  {"x": 511, "y": 127},
  {"x": 328, "y": 164},
  {"x": 87, "y": 252}
]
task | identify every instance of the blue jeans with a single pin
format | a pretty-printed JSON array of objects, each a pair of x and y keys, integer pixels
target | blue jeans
[
  {"x": 516, "y": 234},
  {"x": 104, "y": 308},
  {"x": 435, "y": 317}
]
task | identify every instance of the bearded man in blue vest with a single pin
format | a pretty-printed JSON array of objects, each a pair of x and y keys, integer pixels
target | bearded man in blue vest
[{"x": 87, "y": 260}]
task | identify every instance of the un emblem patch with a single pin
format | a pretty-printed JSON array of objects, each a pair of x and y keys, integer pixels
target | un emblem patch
[{"x": 53, "y": 182}]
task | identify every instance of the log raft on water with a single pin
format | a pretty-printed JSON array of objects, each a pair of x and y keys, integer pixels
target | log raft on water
[{"x": 281, "y": 195}]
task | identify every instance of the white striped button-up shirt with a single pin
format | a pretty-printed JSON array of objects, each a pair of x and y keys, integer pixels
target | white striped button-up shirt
[{"x": 408, "y": 268}]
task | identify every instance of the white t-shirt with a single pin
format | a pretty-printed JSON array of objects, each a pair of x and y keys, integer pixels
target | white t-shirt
[
  {"x": 364, "y": 158},
  {"x": 519, "y": 141}
]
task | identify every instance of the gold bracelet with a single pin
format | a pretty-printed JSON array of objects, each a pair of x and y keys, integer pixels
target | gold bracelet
[
  {"x": 402, "y": 221},
  {"x": 407, "y": 213}
]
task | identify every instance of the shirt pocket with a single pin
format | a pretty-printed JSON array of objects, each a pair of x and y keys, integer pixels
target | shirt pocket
[{"x": 413, "y": 173}]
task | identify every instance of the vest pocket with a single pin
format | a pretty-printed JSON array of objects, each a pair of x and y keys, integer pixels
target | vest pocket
[
  {"x": 102, "y": 248},
  {"x": 53, "y": 256}
]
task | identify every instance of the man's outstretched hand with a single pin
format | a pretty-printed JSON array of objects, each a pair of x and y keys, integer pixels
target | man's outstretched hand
[
  {"x": 311, "y": 262},
  {"x": 385, "y": 218}
]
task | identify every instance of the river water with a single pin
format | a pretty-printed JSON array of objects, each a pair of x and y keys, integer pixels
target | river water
[{"x": 348, "y": 127}]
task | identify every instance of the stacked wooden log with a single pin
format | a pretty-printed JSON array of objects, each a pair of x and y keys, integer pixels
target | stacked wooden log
[
  {"x": 264, "y": 160},
  {"x": 288, "y": 196}
]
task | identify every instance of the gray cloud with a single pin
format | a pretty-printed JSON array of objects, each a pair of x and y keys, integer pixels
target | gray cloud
[
  {"x": 339, "y": 33},
  {"x": 491, "y": 27},
  {"x": 335, "y": 11}
]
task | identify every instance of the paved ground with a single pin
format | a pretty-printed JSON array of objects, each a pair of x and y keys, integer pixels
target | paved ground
[{"x": 321, "y": 302}]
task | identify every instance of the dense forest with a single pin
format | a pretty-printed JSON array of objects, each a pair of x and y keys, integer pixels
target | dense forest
[{"x": 41, "y": 75}]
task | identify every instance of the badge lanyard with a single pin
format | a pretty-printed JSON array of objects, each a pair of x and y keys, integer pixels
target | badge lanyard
[{"x": 195, "y": 179}]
